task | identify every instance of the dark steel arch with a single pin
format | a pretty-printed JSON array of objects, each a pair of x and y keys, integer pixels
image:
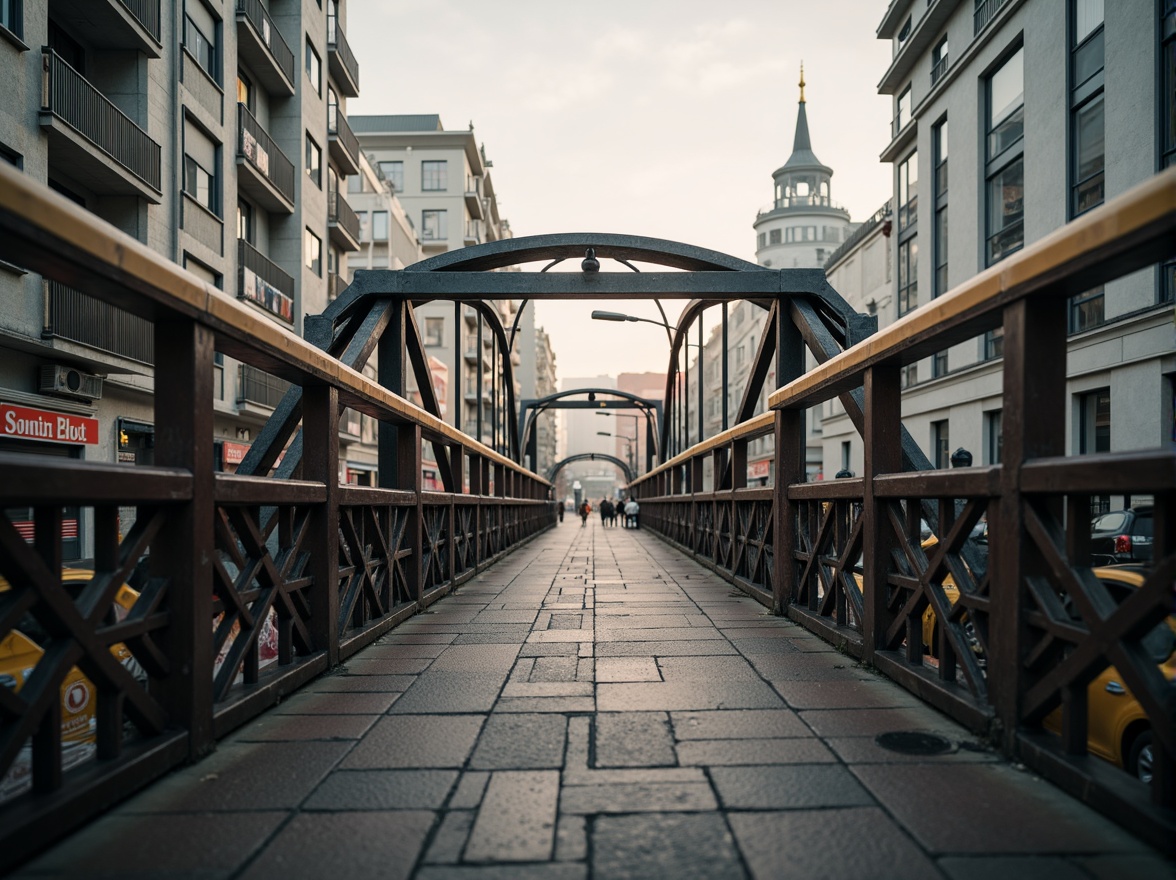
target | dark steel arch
[
  {"x": 590, "y": 456},
  {"x": 530, "y": 410}
]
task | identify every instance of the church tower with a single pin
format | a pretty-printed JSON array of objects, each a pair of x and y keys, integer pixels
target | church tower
[{"x": 803, "y": 225}]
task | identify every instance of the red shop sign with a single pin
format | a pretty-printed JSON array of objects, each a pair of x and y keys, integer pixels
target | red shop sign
[
  {"x": 234, "y": 453},
  {"x": 27, "y": 423}
]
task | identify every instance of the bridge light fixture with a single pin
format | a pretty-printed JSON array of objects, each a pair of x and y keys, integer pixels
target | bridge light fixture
[
  {"x": 590, "y": 264},
  {"x": 599, "y": 315}
]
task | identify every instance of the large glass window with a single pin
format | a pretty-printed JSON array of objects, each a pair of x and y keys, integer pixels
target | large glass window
[
  {"x": 312, "y": 252},
  {"x": 314, "y": 68},
  {"x": 200, "y": 42},
  {"x": 434, "y": 225},
  {"x": 434, "y": 331},
  {"x": 245, "y": 91},
  {"x": 434, "y": 175},
  {"x": 1005, "y": 167},
  {"x": 1094, "y": 425},
  {"x": 1087, "y": 118},
  {"x": 1087, "y": 310},
  {"x": 994, "y": 447},
  {"x": 902, "y": 113},
  {"x": 908, "y": 191},
  {"x": 200, "y": 183},
  {"x": 939, "y": 60},
  {"x": 314, "y": 162},
  {"x": 244, "y": 221},
  {"x": 940, "y": 444},
  {"x": 939, "y": 187},
  {"x": 10, "y": 17},
  {"x": 908, "y": 271},
  {"x": 394, "y": 173},
  {"x": 379, "y": 225},
  {"x": 1167, "y": 92}
]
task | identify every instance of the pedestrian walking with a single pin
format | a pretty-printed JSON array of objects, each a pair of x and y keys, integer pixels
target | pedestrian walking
[
  {"x": 632, "y": 508},
  {"x": 585, "y": 509},
  {"x": 608, "y": 513}
]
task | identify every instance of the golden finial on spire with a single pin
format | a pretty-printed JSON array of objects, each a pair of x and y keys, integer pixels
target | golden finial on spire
[{"x": 802, "y": 82}]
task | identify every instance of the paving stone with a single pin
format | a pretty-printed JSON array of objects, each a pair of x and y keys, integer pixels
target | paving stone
[
  {"x": 401, "y": 636},
  {"x": 399, "y": 741},
  {"x": 659, "y": 634},
  {"x": 664, "y": 845},
  {"x": 495, "y": 637},
  {"x": 606, "y": 623},
  {"x": 736, "y": 752},
  {"x": 1016, "y": 868},
  {"x": 709, "y": 669},
  {"x": 637, "y": 797},
  {"x": 291, "y": 728},
  {"x": 153, "y": 845},
  {"x": 516, "y": 822},
  {"x": 784, "y": 786},
  {"x": 450, "y": 838},
  {"x": 550, "y": 636},
  {"x": 871, "y": 722},
  {"x": 548, "y": 871},
  {"x": 470, "y": 789},
  {"x": 335, "y": 704},
  {"x": 691, "y": 648},
  {"x": 499, "y": 616},
  {"x": 450, "y": 692},
  {"x": 567, "y": 705},
  {"x": 554, "y": 669},
  {"x": 613, "y": 669},
  {"x": 347, "y": 790},
  {"x": 866, "y": 694},
  {"x": 243, "y": 776},
  {"x": 864, "y": 750},
  {"x": 634, "y": 739},
  {"x": 520, "y": 742},
  {"x": 378, "y": 845},
  {"x": 800, "y": 845},
  {"x": 349, "y": 684},
  {"x": 402, "y": 652},
  {"x": 824, "y": 666},
  {"x": 476, "y": 658},
  {"x": 678, "y": 695},
  {"x": 364, "y": 665},
  {"x": 571, "y": 839},
  {"x": 738, "y": 724},
  {"x": 548, "y": 689},
  {"x": 1008, "y": 811},
  {"x": 565, "y": 621}
]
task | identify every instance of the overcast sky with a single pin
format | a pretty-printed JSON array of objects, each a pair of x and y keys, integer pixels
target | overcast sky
[{"x": 663, "y": 118}]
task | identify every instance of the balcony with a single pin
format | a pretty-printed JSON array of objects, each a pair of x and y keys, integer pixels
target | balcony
[
  {"x": 341, "y": 141},
  {"x": 340, "y": 61},
  {"x": 810, "y": 201},
  {"x": 264, "y": 171},
  {"x": 984, "y": 13},
  {"x": 342, "y": 222},
  {"x": 262, "y": 47},
  {"x": 93, "y": 138},
  {"x": 335, "y": 286},
  {"x": 80, "y": 318},
  {"x": 939, "y": 69},
  {"x": 113, "y": 24},
  {"x": 472, "y": 233},
  {"x": 257, "y": 388},
  {"x": 264, "y": 283},
  {"x": 473, "y": 198}
]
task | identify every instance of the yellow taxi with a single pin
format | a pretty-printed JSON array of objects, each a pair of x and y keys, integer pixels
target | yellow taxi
[{"x": 19, "y": 655}]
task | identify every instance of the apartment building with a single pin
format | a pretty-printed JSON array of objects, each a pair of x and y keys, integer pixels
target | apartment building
[
  {"x": 443, "y": 181},
  {"x": 1047, "y": 109},
  {"x": 536, "y": 375},
  {"x": 214, "y": 132}
]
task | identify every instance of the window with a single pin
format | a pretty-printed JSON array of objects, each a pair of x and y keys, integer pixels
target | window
[
  {"x": 774, "y": 236},
  {"x": 910, "y": 375},
  {"x": 939, "y": 60},
  {"x": 904, "y": 31},
  {"x": 244, "y": 91},
  {"x": 314, "y": 162},
  {"x": 393, "y": 171},
  {"x": 434, "y": 175},
  {"x": 845, "y": 449},
  {"x": 379, "y": 225},
  {"x": 1094, "y": 426},
  {"x": 312, "y": 256},
  {"x": 903, "y": 114},
  {"x": 940, "y": 444},
  {"x": 994, "y": 344},
  {"x": 434, "y": 331},
  {"x": 67, "y": 47},
  {"x": 1167, "y": 93},
  {"x": 244, "y": 221},
  {"x": 1087, "y": 310},
  {"x": 939, "y": 194},
  {"x": 908, "y": 271},
  {"x": 939, "y": 364},
  {"x": 1005, "y": 167},
  {"x": 199, "y": 39},
  {"x": 434, "y": 226},
  {"x": 1087, "y": 129},
  {"x": 200, "y": 183},
  {"x": 994, "y": 445},
  {"x": 10, "y": 17},
  {"x": 761, "y": 240},
  {"x": 314, "y": 68},
  {"x": 908, "y": 191}
]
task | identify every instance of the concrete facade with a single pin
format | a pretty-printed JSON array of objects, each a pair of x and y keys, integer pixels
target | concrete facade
[
  {"x": 1121, "y": 362},
  {"x": 213, "y": 132}
]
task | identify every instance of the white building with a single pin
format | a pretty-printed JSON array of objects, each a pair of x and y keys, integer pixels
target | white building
[{"x": 1047, "y": 109}]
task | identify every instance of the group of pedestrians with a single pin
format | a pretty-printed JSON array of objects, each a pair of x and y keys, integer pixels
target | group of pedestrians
[{"x": 625, "y": 511}]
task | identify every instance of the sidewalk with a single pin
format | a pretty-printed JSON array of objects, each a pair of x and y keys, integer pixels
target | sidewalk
[{"x": 598, "y": 705}]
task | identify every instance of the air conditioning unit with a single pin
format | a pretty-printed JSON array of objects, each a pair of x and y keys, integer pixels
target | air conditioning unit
[{"x": 68, "y": 382}]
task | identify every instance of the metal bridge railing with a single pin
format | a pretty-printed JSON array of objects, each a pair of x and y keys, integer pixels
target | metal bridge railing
[
  {"x": 1003, "y": 629},
  {"x": 242, "y": 588}
]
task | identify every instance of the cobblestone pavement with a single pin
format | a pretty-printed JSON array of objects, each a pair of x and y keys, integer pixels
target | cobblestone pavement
[{"x": 598, "y": 705}]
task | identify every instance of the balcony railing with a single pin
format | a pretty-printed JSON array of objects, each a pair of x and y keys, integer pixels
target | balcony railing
[
  {"x": 258, "y": 386},
  {"x": 343, "y": 143},
  {"x": 984, "y": 13},
  {"x": 939, "y": 69},
  {"x": 340, "y": 213},
  {"x": 263, "y": 282},
  {"x": 257, "y": 16},
  {"x": 146, "y": 12},
  {"x": 73, "y": 99},
  {"x": 255, "y": 144},
  {"x": 809, "y": 201},
  {"x": 78, "y": 317},
  {"x": 344, "y": 68}
]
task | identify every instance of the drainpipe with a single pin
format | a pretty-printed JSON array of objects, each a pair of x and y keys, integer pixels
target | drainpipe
[{"x": 176, "y": 138}]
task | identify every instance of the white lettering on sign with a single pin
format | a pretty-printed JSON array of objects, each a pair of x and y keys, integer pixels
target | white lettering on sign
[{"x": 38, "y": 424}]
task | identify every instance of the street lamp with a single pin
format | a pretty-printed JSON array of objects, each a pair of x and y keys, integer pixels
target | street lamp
[
  {"x": 636, "y": 431},
  {"x": 629, "y": 440}
]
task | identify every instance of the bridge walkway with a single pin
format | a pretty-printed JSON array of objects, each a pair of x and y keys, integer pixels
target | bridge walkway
[{"x": 599, "y": 705}]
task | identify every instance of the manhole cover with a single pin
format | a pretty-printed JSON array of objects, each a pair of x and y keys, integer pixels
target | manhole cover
[{"x": 913, "y": 742}]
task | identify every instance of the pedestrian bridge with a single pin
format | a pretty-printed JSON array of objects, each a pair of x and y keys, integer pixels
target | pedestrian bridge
[{"x": 459, "y": 685}]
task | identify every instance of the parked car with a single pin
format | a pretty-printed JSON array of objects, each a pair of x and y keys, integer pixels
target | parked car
[{"x": 1122, "y": 536}]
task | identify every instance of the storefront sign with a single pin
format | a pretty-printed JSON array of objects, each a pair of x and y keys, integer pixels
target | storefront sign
[
  {"x": 234, "y": 453},
  {"x": 758, "y": 470},
  {"x": 27, "y": 423}
]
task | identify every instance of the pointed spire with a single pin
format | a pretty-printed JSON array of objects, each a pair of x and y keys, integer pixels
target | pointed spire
[{"x": 802, "y": 82}]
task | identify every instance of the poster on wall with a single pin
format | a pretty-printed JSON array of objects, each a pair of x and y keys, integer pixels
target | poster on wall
[{"x": 256, "y": 289}]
